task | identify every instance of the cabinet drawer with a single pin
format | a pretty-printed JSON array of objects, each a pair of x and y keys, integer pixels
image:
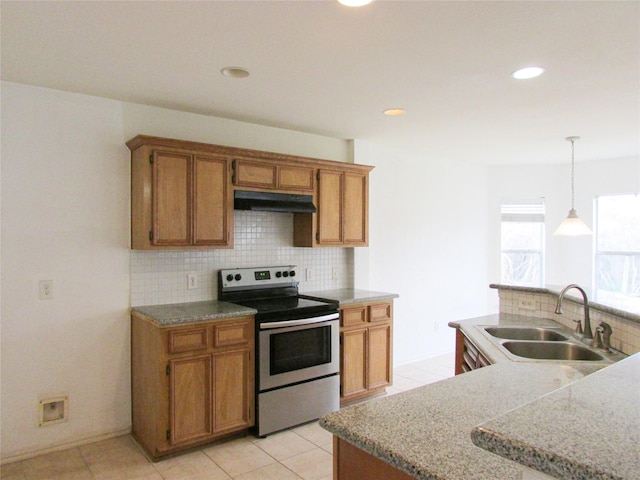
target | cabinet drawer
[
  {"x": 231, "y": 334},
  {"x": 353, "y": 316},
  {"x": 380, "y": 312},
  {"x": 188, "y": 340}
]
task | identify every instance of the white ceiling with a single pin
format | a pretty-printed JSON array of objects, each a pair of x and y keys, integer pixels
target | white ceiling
[{"x": 320, "y": 67}]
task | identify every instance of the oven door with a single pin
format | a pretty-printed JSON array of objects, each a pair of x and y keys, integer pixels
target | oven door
[{"x": 296, "y": 351}]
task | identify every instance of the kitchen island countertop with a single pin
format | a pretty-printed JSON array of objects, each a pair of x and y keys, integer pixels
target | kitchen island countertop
[
  {"x": 427, "y": 432},
  {"x": 346, "y": 296},
  {"x": 587, "y": 430},
  {"x": 180, "y": 313}
]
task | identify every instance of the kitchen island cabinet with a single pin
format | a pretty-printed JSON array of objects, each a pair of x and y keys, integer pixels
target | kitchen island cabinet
[
  {"x": 468, "y": 355},
  {"x": 192, "y": 383}
]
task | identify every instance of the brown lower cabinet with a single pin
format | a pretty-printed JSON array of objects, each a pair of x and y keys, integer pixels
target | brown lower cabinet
[
  {"x": 366, "y": 350},
  {"x": 352, "y": 463},
  {"x": 191, "y": 384},
  {"x": 468, "y": 355}
]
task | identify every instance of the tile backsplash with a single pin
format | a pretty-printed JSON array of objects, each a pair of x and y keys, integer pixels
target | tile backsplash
[
  {"x": 626, "y": 333},
  {"x": 261, "y": 239}
]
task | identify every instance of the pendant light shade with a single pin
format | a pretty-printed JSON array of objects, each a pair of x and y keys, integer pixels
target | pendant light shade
[{"x": 572, "y": 225}]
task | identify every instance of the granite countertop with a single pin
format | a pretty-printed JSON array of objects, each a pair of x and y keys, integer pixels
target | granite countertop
[
  {"x": 345, "y": 296},
  {"x": 180, "y": 313},
  {"x": 425, "y": 432},
  {"x": 589, "y": 429}
]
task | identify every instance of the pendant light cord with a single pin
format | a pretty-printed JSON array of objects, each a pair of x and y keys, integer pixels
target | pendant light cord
[
  {"x": 572, "y": 173},
  {"x": 572, "y": 140}
]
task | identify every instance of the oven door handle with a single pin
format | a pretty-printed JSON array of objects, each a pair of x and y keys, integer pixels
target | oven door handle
[{"x": 300, "y": 321}]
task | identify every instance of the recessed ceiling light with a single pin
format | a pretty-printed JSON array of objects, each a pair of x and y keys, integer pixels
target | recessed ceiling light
[
  {"x": 394, "y": 112},
  {"x": 355, "y": 3},
  {"x": 234, "y": 72},
  {"x": 528, "y": 72}
]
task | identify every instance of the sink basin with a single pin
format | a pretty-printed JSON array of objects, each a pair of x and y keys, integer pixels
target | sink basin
[
  {"x": 525, "y": 333},
  {"x": 552, "y": 351}
]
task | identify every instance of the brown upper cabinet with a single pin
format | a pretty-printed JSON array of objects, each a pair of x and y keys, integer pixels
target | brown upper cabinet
[
  {"x": 182, "y": 194},
  {"x": 273, "y": 176},
  {"x": 343, "y": 210}
]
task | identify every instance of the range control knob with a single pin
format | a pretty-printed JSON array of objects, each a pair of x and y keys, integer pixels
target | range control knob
[
  {"x": 285, "y": 274},
  {"x": 292, "y": 273},
  {"x": 278, "y": 274},
  {"x": 238, "y": 277},
  {"x": 229, "y": 278}
]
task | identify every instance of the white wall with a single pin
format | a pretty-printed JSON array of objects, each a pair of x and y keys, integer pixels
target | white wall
[
  {"x": 428, "y": 230},
  {"x": 65, "y": 217},
  {"x": 65, "y": 204},
  {"x": 568, "y": 259}
]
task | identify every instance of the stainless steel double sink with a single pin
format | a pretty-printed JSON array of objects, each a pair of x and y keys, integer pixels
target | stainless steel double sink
[{"x": 539, "y": 343}]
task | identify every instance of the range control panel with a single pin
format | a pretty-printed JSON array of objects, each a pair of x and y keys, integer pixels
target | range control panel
[{"x": 260, "y": 277}]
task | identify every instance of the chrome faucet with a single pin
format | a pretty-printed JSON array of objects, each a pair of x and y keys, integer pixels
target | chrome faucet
[
  {"x": 587, "y": 335},
  {"x": 605, "y": 330}
]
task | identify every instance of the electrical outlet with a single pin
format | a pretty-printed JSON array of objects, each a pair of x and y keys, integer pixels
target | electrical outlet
[
  {"x": 526, "y": 304},
  {"x": 46, "y": 289},
  {"x": 308, "y": 274},
  {"x": 192, "y": 281},
  {"x": 334, "y": 273}
]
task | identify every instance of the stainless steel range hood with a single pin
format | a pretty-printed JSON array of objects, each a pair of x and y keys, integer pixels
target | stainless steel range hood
[{"x": 273, "y": 202}]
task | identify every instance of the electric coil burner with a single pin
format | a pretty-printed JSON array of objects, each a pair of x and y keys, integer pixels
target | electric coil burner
[{"x": 297, "y": 343}]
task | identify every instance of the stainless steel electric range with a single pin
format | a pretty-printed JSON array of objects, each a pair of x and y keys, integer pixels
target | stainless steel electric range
[{"x": 297, "y": 343}]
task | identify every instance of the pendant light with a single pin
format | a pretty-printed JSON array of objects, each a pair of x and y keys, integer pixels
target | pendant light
[{"x": 572, "y": 225}]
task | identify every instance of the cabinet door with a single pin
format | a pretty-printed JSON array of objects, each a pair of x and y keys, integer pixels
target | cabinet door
[
  {"x": 353, "y": 372},
  {"x": 330, "y": 205},
  {"x": 355, "y": 209},
  {"x": 171, "y": 198},
  {"x": 379, "y": 355},
  {"x": 190, "y": 399},
  {"x": 254, "y": 174},
  {"x": 211, "y": 209},
  {"x": 295, "y": 178},
  {"x": 233, "y": 389}
]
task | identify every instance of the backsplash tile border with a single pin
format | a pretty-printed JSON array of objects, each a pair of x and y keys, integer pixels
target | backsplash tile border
[{"x": 261, "y": 239}]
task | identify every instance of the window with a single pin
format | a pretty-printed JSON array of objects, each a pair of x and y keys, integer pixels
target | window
[
  {"x": 522, "y": 243},
  {"x": 617, "y": 258}
]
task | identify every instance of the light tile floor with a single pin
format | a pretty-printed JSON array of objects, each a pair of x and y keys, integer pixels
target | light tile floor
[{"x": 303, "y": 452}]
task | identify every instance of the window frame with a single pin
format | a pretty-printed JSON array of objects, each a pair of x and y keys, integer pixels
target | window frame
[
  {"x": 524, "y": 211},
  {"x": 598, "y": 254}
]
